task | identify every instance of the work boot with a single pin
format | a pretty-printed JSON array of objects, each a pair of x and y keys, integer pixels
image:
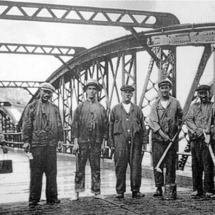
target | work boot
[
  {"x": 120, "y": 195},
  {"x": 195, "y": 194},
  {"x": 53, "y": 201},
  {"x": 158, "y": 192},
  {"x": 33, "y": 203},
  {"x": 75, "y": 197},
  {"x": 99, "y": 196},
  {"x": 137, "y": 194},
  {"x": 208, "y": 195}
]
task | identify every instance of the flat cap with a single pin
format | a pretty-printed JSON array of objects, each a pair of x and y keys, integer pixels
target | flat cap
[
  {"x": 92, "y": 82},
  {"x": 203, "y": 88},
  {"x": 127, "y": 88},
  {"x": 165, "y": 82},
  {"x": 47, "y": 86}
]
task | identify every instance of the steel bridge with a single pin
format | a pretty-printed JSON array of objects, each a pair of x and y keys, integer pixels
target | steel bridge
[{"x": 115, "y": 62}]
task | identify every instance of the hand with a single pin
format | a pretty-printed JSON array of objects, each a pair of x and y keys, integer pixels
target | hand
[
  {"x": 26, "y": 147},
  {"x": 199, "y": 132},
  {"x": 60, "y": 145},
  {"x": 75, "y": 148},
  {"x": 5, "y": 150},
  {"x": 164, "y": 136},
  {"x": 112, "y": 149},
  {"x": 144, "y": 147},
  {"x": 103, "y": 146}
]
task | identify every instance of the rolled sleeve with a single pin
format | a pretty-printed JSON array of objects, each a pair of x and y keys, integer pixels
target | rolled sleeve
[{"x": 153, "y": 119}]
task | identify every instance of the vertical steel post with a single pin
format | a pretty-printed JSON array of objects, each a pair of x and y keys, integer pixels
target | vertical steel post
[
  {"x": 174, "y": 74},
  {"x": 123, "y": 69},
  {"x": 159, "y": 55},
  {"x": 134, "y": 56}
]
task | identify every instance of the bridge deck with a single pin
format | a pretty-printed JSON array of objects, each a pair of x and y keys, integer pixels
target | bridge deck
[{"x": 15, "y": 186}]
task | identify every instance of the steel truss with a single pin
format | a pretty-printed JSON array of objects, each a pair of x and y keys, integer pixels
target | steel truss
[
  {"x": 13, "y": 48},
  {"x": 115, "y": 62},
  {"x": 84, "y": 15}
]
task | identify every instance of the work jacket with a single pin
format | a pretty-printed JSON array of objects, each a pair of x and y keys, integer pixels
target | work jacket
[
  {"x": 199, "y": 117},
  {"x": 127, "y": 126},
  {"x": 42, "y": 124},
  {"x": 90, "y": 122}
]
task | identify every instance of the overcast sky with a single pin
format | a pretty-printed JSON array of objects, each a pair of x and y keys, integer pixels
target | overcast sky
[{"x": 26, "y": 67}]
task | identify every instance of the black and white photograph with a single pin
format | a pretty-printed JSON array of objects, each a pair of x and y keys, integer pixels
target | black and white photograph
[{"x": 107, "y": 107}]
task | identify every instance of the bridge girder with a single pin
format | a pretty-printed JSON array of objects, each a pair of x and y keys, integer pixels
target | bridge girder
[
  {"x": 84, "y": 15},
  {"x": 14, "y": 48}
]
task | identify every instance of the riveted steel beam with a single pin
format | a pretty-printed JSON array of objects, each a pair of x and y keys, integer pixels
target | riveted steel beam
[
  {"x": 84, "y": 15},
  {"x": 129, "y": 43},
  {"x": 13, "y": 48}
]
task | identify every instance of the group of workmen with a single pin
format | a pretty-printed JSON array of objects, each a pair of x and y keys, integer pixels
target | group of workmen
[{"x": 125, "y": 133}]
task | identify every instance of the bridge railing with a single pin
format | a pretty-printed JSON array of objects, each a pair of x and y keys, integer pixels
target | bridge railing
[{"x": 14, "y": 140}]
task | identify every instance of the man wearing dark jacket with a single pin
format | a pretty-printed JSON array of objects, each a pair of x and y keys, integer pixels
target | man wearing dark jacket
[
  {"x": 89, "y": 131},
  {"x": 128, "y": 134},
  {"x": 42, "y": 131}
]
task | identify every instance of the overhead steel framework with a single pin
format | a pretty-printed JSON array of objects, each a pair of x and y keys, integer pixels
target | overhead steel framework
[
  {"x": 120, "y": 61},
  {"x": 84, "y": 15},
  {"x": 13, "y": 48}
]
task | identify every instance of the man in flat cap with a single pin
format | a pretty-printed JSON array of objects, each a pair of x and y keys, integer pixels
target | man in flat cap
[
  {"x": 164, "y": 120},
  {"x": 199, "y": 120},
  {"x": 42, "y": 132},
  {"x": 128, "y": 134},
  {"x": 89, "y": 131}
]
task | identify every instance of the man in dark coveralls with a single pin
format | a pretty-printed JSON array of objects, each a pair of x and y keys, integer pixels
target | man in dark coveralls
[
  {"x": 199, "y": 120},
  {"x": 128, "y": 134},
  {"x": 89, "y": 131},
  {"x": 165, "y": 118},
  {"x": 42, "y": 132}
]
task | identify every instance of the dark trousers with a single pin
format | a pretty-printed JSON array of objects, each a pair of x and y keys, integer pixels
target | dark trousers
[
  {"x": 122, "y": 157},
  {"x": 158, "y": 149},
  {"x": 44, "y": 161},
  {"x": 91, "y": 151},
  {"x": 202, "y": 162}
]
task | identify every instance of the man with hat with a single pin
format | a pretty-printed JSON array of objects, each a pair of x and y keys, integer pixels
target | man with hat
[
  {"x": 199, "y": 120},
  {"x": 89, "y": 131},
  {"x": 128, "y": 135},
  {"x": 42, "y": 132},
  {"x": 165, "y": 118}
]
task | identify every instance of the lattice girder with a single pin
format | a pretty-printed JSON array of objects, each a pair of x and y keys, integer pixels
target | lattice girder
[{"x": 84, "y": 15}]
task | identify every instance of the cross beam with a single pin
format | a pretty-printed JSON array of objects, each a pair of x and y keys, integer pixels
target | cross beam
[
  {"x": 13, "y": 48},
  {"x": 20, "y": 84},
  {"x": 84, "y": 15}
]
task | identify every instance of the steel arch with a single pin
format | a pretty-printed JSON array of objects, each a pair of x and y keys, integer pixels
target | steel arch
[{"x": 107, "y": 60}]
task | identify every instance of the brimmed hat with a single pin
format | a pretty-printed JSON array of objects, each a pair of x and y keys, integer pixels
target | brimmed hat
[
  {"x": 92, "y": 82},
  {"x": 47, "y": 86},
  {"x": 127, "y": 88},
  {"x": 203, "y": 87},
  {"x": 165, "y": 82}
]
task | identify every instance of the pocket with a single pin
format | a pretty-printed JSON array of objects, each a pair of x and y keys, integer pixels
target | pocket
[
  {"x": 137, "y": 125},
  {"x": 117, "y": 129}
]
